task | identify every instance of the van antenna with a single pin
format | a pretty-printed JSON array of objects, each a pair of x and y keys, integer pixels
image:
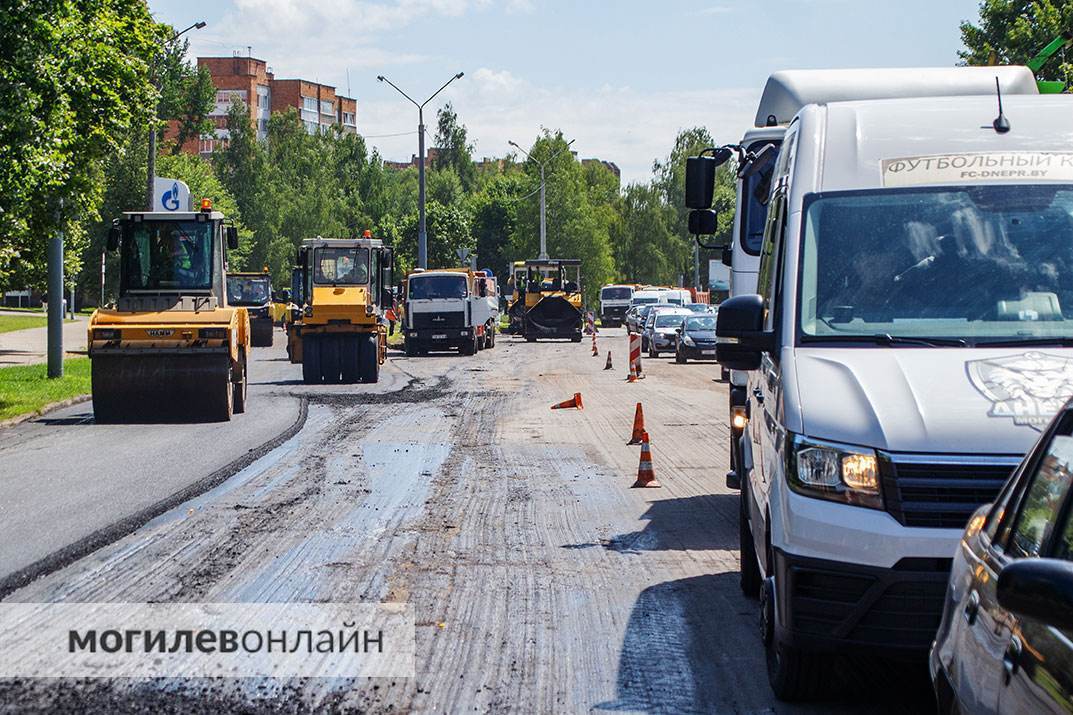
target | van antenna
[{"x": 1001, "y": 124}]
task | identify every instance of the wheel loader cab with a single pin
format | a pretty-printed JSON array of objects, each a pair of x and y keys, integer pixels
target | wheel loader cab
[
  {"x": 172, "y": 346},
  {"x": 341, "y": 333},
  {"x": 253, "y": 291}
]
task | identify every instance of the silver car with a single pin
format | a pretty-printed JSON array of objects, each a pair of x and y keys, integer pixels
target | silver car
[{"x": 660, "y": 328}]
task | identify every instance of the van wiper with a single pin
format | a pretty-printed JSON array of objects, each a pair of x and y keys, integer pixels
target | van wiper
[
  {"x": 1058, "y": 340},
  {"x": 888, "y": 339}
]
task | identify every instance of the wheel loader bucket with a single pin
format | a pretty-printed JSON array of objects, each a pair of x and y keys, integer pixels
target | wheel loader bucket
[{"x": 162, "y": 387}]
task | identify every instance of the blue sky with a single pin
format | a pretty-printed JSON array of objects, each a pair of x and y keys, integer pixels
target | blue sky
[{"x": 619, "y": 77}]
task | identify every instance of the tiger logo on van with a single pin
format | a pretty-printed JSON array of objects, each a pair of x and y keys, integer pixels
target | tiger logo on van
[{"x": 1029, "y": 388}]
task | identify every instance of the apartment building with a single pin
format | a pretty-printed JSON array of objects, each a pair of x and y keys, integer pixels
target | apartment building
[{"x": 250, "y": 81}]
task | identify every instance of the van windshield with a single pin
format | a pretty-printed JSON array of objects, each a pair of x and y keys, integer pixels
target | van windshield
[{"x": 980, "y": 264}]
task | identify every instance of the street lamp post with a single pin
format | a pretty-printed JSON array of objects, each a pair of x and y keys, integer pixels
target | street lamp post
[
  {"x": 422, "y": 236},
  {"x": 543, "y": 222},
  {"x": 151, "y": 173}
]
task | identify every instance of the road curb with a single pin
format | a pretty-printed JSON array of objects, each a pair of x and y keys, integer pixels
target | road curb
[
  {"x": 114, "y": 532},
  {"x": 50, "y": 407}
]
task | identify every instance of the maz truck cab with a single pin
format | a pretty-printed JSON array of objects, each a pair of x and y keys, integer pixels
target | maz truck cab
[{"x": 909, "y": 338}]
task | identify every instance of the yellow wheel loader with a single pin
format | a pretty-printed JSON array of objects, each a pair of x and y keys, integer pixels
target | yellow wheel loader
[
  {"x": 253, "y": 291},
  {"x": 171, "y": 347},
  {"x": 341, "y": 334}
]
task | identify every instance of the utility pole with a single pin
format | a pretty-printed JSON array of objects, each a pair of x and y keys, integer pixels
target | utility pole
[
  {"x": 55, "y": 298},
  {"x": 422, "y": 235},
  {"x": 543, "y": 204},
  {"x": 150, "y": 189}
]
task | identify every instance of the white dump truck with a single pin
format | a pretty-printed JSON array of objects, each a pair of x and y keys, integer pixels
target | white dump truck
[{"x": 450, "y": 308}]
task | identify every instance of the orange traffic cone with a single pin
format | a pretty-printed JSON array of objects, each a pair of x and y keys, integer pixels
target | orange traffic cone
[
  {"x": 608, "y": 365},
  {"x": 632, "y": 377},
  {"x": 638, "y": 426},
  {"x": 595, "y": 352},
  {"x": 646, "y": 477},
  {"x": 574, "y": 401}
]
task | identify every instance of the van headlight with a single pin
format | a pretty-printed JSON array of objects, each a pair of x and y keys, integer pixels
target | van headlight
[
  {"x": 688, "y": 340},
  {"x": 834, "y": 471}
]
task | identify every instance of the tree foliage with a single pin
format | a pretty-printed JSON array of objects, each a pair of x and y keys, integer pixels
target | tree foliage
[
  {"x": 1014, "y": 31},
  {"x": 74, "y": 81}
]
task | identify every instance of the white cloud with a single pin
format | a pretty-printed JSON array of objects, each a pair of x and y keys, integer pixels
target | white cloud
[{"x": 321, "y": 39}]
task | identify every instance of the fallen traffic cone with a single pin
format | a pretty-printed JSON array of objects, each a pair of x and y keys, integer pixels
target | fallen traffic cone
[
  {"x": 638, "y": 426},
  {"x": 574, "y": 401},
  {"x": 646, "y": 477},
  {"x": 608, "y": 365}
]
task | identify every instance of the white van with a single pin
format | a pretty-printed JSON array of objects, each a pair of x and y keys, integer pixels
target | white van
[
  {"x": 785, "y": 93},
  {"x": 614, "y": 302},
  {"x": 908, "y": 341}
]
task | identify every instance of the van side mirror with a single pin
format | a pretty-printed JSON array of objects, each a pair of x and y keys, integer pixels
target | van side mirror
[
  {"x": 1040, "y": 589},
  {"x": 703, "y": 222},
  {"x": 232, "y": 237},
  {"x": 113, "y": 238},
  {"x": 739, "y": 330}
]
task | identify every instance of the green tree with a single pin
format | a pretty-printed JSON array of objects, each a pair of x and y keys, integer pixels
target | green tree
[
  {"x": 645, "y": 249},
  {"x": 1013, "y": 31},
  {"x": 187, "y": 95},
  {"x": 575, "y": 228},
  {"x": 454, "y": 150},
  {"x": 74, "y": 82},
  {"x": 448, "y": 230},
  {"x": 494, "y": 210}
]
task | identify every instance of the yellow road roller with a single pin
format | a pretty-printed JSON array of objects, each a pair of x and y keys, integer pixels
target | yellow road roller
[
  {"x": 171, "y": 347},
  {"x": 341, "y": 333}
]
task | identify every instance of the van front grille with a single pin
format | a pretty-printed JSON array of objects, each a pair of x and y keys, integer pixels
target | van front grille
[{"x": 941, "y": 491}]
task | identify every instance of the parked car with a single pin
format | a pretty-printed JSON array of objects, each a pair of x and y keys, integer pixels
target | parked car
[
  {"x": 1001, "y": 646},
  {"x": 695, "y": 338},
  {"x": 635, "y": 317},
  {"x": 660, "y": 326}
]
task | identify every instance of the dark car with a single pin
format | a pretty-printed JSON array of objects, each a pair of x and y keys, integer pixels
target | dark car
[
  {"x": 695, "y": 339},
  {"x": 1006, "y": 639}
]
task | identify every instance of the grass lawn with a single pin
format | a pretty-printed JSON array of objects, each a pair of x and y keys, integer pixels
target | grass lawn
[
  {"x": 396, "y": 340},
  {"x": 21, "y": 322},
  {"x": 26, "y": 388}
]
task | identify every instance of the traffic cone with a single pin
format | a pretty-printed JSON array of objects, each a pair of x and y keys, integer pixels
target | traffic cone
[
  {"x": 574, "y": 401},
  {"x": 608, "y": 365},
  {"x": 646, "y": 477},
  {"x": 632, "y": 377},
  {"x": 638, "y": 426}
]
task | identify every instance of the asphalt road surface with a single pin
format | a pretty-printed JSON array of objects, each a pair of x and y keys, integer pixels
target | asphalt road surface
[{"x": 539, "y": 580}]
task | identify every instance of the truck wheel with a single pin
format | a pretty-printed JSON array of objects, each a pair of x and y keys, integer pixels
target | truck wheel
[
  {"x": 368, "y": 359},
  {"x": 793, "y": 674},
  {"x": 330, "y": 367},
  {"x": 311, "y": 360},
  {"x": 530, "y": 339},
  {"x": 241, "y": 387},
  {"x": 469, "y": 347},
  {"x": 492, "y": 338},
  {"x": 411, "y": 349},
  {"x": 750, "y": 570}
]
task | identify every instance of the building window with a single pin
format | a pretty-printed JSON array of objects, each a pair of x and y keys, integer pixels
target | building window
[
  {"x": 311, "y": 127},
  {"x": 327, "y": 107},
  {"x": 309, "y": 103},
  {"x": 349, "y": 119}
]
